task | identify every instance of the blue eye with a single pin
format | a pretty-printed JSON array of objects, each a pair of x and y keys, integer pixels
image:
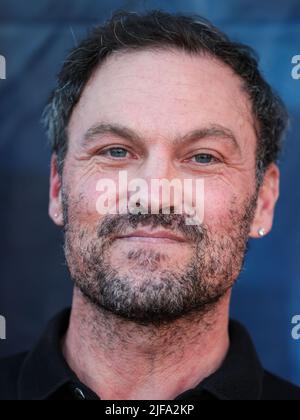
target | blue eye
[
  {"x": 117, "y": 152},
  {"x": 204, "y": 158}
]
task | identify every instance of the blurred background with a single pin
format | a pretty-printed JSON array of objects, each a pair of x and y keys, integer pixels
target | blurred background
[{"x": 34, "y": 284}]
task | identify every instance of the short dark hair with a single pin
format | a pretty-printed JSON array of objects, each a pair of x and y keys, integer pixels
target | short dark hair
[{"x": 156, "y": 29}]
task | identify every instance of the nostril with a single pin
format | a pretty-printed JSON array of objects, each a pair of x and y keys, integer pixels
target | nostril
[{"x": 171, "y": 210}]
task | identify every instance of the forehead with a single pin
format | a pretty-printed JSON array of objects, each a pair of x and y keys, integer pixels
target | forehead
[{"x": 164, "y": 93}]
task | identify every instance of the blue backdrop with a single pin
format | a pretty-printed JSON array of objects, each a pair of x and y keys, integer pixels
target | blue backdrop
[{"x": 34, "y": 38}]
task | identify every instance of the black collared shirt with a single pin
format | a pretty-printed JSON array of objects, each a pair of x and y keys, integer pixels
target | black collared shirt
[{"x": 43, "y": 374}]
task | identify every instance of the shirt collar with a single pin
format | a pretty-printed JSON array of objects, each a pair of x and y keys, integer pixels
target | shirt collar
[
  {"x": 241, "y": 375},
  {"x": 45, "y": 371}
]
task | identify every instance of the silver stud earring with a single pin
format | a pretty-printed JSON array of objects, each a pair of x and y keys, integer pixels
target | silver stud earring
[
  {"x": 56, "y": 215},
  {"x": 261, "y": 232}
]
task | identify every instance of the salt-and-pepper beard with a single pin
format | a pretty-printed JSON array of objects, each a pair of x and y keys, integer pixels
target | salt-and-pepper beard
[{"x": 159, "y": 296}]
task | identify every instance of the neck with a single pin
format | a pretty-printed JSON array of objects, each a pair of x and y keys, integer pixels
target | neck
[{"x": 121, "y": 360}]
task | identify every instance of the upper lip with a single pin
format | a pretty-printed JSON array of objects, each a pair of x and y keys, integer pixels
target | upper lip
[{"x": 163, "y": 234}]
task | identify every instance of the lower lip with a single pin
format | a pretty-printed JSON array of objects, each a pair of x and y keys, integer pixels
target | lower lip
[{"x": 149, "y": 240}]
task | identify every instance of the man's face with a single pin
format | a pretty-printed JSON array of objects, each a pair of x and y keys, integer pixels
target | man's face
[{"x": 160, "y": 96}]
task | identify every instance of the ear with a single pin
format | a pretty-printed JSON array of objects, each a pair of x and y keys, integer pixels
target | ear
[
  {"x": 55, "y": 196},
  {"x": 267, "y": 199}
]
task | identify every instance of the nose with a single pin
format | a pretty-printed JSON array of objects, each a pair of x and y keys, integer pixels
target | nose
[{"x": 161, "y": 190}]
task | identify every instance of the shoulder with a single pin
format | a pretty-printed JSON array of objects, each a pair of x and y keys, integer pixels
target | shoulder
[
  {"x": 10, "y": 368},
  {"x": 275, "y": 388}
]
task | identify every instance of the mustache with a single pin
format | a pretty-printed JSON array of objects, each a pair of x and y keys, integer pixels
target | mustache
[{"x": 121, "y": 224}]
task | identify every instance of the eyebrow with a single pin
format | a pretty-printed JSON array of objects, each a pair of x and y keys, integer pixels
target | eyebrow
[{"x": 213, "y": 130}]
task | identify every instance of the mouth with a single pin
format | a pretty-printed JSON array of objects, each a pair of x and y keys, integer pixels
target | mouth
[{"x": 153, "y": 237}]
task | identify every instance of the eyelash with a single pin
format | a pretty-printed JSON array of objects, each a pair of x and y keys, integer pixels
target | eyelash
[
  {"x": 105, "y": 152},
  {"x": 214, "y": 159}
]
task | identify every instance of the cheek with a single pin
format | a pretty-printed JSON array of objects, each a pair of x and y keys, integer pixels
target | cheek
[
  {"x": 83, "y": 201},
  {"x": 87, "y": 199},
  {"x": 218, "y": 202}
]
